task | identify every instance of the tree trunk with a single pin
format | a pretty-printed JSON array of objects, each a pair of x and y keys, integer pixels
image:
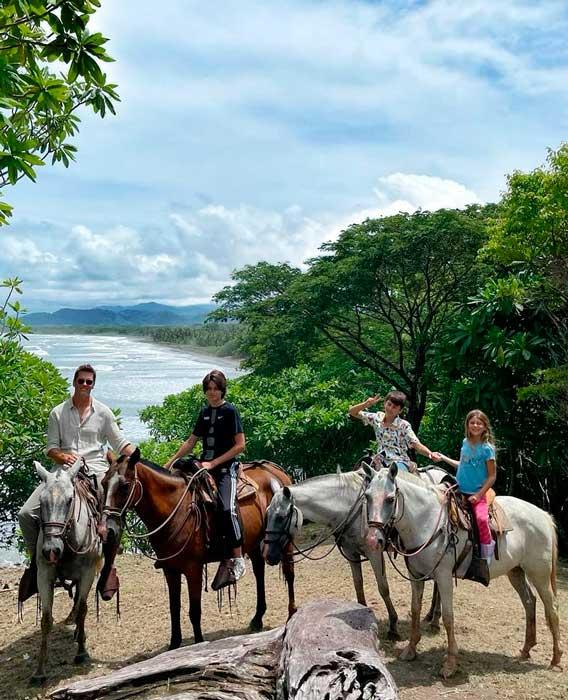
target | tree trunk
[
  {"x": 328, "y": 649},
  {"x": 331, "y": 651}
]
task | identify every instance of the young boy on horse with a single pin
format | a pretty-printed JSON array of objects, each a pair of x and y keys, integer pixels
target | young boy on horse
[
  {"x": 219, "y": 428},
  {"x": 395, "y": 436},
  {"x": 81, "y": 426}
]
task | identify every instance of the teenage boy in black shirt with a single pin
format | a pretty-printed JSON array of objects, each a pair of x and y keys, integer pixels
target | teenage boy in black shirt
[{"x": 219, "y": 428}]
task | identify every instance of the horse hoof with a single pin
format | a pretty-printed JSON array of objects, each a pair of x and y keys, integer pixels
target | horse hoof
[
  {"x": 448, "y": 669},
  {"x": 556, "y": 667},
  {"x": 37, "y": 680},
  {"x": 71, "y": 619},
  {"x": 434, "y": 627},
  {"x": 174, "y": 645},
  {"x": 256, "y": 625},
  {"x": 524, "y": 655},
  {"x": 81, "y": 659},
  {"x": 407, "y": 654},
  {"x": 393, "y": 636}
]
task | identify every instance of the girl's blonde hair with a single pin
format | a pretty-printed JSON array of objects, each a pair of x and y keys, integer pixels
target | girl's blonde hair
[{"x": 487, "y": 435}]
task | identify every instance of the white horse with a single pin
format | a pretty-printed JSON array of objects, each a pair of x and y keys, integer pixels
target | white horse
[
  {"x": 418, "y": 512},
  {"x": 338, "y": 502},
  {"x": 68, "y": 548}
]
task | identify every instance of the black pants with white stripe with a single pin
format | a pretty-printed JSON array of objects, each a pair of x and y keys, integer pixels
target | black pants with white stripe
[{"x": 226, "y": 479}]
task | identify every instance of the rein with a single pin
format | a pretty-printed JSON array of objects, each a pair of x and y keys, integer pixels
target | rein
[
  {"x": 408, "y": 553},
  {"x": 284, "y": 535},
  {"x": 129, "y": 503},
  {"x": 62, "y": 530}
]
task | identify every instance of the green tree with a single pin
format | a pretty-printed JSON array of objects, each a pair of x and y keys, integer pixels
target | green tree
[
  {"x": 381, "y": 295},
  {"x": 29, "y": 388},
  {"x": 38, "y": 107}
]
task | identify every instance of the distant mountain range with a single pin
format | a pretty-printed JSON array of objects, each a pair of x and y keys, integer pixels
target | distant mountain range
[{"x": 148, "y": 314}]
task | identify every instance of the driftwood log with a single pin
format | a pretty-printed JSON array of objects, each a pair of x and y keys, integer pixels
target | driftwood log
[{"x": 329, "y": 649}]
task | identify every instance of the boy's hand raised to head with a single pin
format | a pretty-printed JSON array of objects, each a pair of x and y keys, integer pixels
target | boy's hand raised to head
[{"x": 372, "y": 400}]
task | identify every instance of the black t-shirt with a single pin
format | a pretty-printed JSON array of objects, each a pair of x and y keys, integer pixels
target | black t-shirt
[{"x": 217, "y": 428}]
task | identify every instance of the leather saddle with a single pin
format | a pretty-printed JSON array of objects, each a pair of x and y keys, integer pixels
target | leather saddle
[
  {"x": 205, "y": 488},
  {"x": 462, "y": 516}
]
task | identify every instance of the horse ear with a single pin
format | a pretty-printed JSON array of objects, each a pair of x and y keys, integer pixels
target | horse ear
[
  {"x": 287, "y": 493},
  {"x": 369, "y": 471},
  {"x": 134, "y": 457},
  {"x": 275, "y": 486},
  {"x": 338, "y": 470},
  {"x": 74, "y": 470},
  {"x": 41, "y": 471},
  {"x": 393, "y": 471}
]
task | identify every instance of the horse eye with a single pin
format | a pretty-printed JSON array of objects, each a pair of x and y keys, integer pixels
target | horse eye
[{"x": 389, "y": 499}]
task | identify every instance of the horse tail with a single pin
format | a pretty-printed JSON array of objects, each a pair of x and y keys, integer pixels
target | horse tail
[{"x": 554, "y": 555}]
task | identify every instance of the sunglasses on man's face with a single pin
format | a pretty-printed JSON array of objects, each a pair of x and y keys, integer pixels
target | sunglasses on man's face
[{"x": 88, "y": 382}]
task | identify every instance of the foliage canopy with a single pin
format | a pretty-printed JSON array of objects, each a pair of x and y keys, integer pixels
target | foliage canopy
[{"x": 38, "y": 107}]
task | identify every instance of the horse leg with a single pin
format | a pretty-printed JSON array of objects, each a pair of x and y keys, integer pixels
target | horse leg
[
  {"x": 71, "y": 619},
  {"x": 82, "y": 593},
  {"x": 409, "y": 652},
  {"x": 173, "y": 579},
  {"x": 519, "y": 582},
  {"x": 288, "y": 571},
  {"x": 45, "y": 586},
  {"x": 357, "y": 574},
  {"x": 378, "y": 563},
  {"x": 194, "y": 575},
  {"x": 433, "y": 615},
  {"x": 447, "y": 597},
  {"x": 258, "y": 570},
  {"x": 542, "y": 581}
]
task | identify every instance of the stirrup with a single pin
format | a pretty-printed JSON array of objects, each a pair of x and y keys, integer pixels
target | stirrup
[
  {"x": 109, "y": 586},
  {"x": 478, "y": 571},
  {"x": 28, "y": 583},
  {"x": 225, "y": 575}
]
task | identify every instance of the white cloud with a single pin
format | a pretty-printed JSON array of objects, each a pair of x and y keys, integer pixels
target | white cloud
[
  {"x": 421, "y": 192},
  {"x": 195, "y": 253}
]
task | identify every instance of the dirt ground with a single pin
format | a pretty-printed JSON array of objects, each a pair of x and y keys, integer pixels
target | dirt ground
[{"x": 489, "y": 627}]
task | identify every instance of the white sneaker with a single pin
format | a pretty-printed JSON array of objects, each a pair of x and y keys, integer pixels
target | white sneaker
[{"x": 239, "y": 567}]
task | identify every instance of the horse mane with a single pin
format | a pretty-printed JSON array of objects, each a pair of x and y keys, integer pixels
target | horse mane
[
  {"x": 345, "y": 479},
  {"x": 415, "y": 479},
  {"x": 156, "y": 467}
]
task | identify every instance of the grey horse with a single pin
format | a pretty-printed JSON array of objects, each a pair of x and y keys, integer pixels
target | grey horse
[
  {"x": 68, "y": 548},
  {"x": 338, "y": 502}
]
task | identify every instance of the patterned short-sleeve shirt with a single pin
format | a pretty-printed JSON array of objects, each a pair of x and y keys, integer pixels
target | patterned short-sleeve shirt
[{"x": 393, "y": 441}]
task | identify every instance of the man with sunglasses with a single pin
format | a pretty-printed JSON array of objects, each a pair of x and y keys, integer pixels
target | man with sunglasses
[{"x": 80, "y": 427}]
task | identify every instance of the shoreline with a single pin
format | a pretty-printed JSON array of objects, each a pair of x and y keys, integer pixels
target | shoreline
[{"x": 196, "y": 350}]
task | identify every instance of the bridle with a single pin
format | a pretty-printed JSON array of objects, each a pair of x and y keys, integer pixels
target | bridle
[
  {"x": 390, "y": 543},
  {"x": 132, "y": 503},
  {"x": 61, "y": 530},
  {"x": 284, "y": 536}
]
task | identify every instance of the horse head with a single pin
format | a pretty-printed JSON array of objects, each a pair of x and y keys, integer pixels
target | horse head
[
  {"x": 118, "y": 484},
  {"x": 283, "y": 521},
  {"x": 56, "y": 507},
  {"x": 381, "y": 495}
]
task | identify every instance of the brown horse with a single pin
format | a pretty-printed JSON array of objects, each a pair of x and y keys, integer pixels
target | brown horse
[{"x": 184, "y": 535}]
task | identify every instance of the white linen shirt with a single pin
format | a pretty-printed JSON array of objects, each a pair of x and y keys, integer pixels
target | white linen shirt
[
  {"x": 87, "y": 439},
  {"x": 393, "y": 441}
]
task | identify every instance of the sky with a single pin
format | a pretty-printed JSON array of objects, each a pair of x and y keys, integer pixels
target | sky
[{"x": 253, "y": 131}]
